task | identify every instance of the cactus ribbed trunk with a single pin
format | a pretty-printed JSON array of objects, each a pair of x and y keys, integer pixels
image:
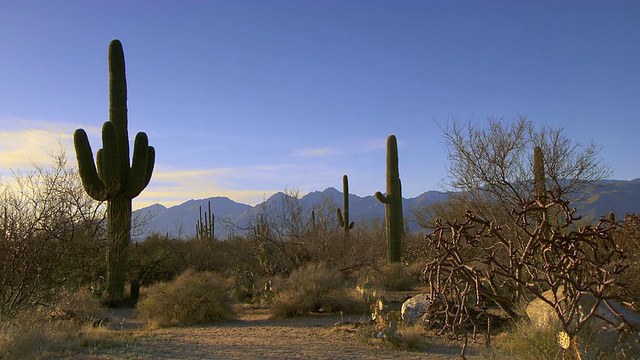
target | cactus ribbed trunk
[
  {"x": 393, "y": 203},
  {"x": 119, "y": 233}
]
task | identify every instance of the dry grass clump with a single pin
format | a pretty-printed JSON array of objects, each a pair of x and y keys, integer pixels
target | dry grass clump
[
  {"x": 314, "y": 288},
  {"x": 192, "y": 298},
  {"x": 528, "y": 342},
  {"x": 60, "y": 329},
  {"x": 412, "y": 337},
  {"x": 81, "y": 304}
]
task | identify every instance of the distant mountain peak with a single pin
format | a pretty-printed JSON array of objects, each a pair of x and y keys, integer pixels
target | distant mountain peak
[{"x": 608, "y": 195}]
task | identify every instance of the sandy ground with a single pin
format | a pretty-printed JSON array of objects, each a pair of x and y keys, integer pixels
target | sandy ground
[{"x": 255, "y": 336}]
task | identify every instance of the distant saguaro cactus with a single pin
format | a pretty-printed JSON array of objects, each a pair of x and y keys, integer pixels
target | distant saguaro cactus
[
  {"x": 393, "y": 203},
  {"x": 112, "y": 178},
  {"x": 343, "y": 221},
  {"x": 539, "y": 179},
  {"x": 205, "y": 228}
]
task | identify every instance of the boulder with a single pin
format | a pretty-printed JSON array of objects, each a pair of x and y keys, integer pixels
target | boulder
[
  {"x": 543, "y": 315},
  {"x": 605, "y": 326},
  {"x": 414, "y": 308}
]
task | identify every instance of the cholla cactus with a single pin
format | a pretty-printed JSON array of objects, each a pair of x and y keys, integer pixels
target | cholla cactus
[{"x": 564, "y": 340}]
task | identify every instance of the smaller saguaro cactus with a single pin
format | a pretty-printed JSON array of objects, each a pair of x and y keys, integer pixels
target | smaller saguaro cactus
[
  {"x": 262, "y": 229},
  {"x": 343, "y": 221},
  {"x": 205, "y": 228},
  {"x": 540, "y": 182},
  {"x": 393, "y": 203},
  {"x": 540, "y": 188}
]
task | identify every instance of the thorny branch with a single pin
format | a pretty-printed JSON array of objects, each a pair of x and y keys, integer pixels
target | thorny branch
[{"x": 480, "y": 264}]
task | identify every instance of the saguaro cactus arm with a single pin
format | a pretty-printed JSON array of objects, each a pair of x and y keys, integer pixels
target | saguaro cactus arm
[
  {"x": 380, "y": 197},
  {"x": 107, "y": 159},
  {"x": 141, "y": 166},
  {"x": 341, "y": 221},
  {"x": 86, "y": 167}
]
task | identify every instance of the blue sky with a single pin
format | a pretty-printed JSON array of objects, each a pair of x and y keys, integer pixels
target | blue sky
[{"x": 246, "y": 98}]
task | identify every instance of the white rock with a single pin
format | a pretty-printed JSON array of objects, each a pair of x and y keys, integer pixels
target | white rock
[{"x": 414, "y": 308}]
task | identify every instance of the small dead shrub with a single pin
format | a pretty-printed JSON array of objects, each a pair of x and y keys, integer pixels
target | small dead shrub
[
  {"x": 192, "y": 298},
  {"x": 314, "y": 288}
]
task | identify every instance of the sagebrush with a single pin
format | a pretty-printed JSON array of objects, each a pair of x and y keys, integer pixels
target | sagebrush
[
  {"x": 313, "y": 288},
  {"x": 192, "y": 298}
]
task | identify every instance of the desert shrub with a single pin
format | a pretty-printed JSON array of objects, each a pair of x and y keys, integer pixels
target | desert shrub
[
  {"x": 398, "y": 277},
  {"x": 315, "y": 287},
  {"x": 192, "y": 298}
]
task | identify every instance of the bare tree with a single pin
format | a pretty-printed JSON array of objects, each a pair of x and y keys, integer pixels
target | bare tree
[
  {"x": 480, "y": 262},
  {"x": 493, "y": 165},
  {"x": 50, "y": 235}
]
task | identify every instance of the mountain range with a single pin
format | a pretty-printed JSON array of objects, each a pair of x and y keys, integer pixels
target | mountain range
[{"x": 619, "y": 196}]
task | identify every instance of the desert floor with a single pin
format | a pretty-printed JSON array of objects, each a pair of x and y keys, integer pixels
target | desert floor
[{"x": 255, "y": 336}]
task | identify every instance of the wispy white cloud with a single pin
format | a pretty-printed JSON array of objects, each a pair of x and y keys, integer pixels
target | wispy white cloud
[
  {"x": 374, "y": 145},
  {"x": 24, "y": 143},
  {"x": 358, "y": 147},
  {"x": 171, "y": 187},
  {"x": 318, "y": 152},
  {"x": 20, "y": 148}
]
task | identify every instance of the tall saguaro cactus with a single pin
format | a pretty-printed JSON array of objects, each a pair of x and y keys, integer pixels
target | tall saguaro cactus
[
  {"x": 393, "y": 203},
  {"x": 343, "y": 221},
  {"x": 112, "y": 178}
]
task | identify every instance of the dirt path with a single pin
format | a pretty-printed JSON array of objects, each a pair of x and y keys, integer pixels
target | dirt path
[{"x": 255, "y": 336}]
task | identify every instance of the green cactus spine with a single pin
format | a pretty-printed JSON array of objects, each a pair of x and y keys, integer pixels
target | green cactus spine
[
  {"x": 393, "y": 203},
  {"x": 112, "y": 178},
  {"x": 343, "y": 221},
  {"x": 205, "y": 228}
]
